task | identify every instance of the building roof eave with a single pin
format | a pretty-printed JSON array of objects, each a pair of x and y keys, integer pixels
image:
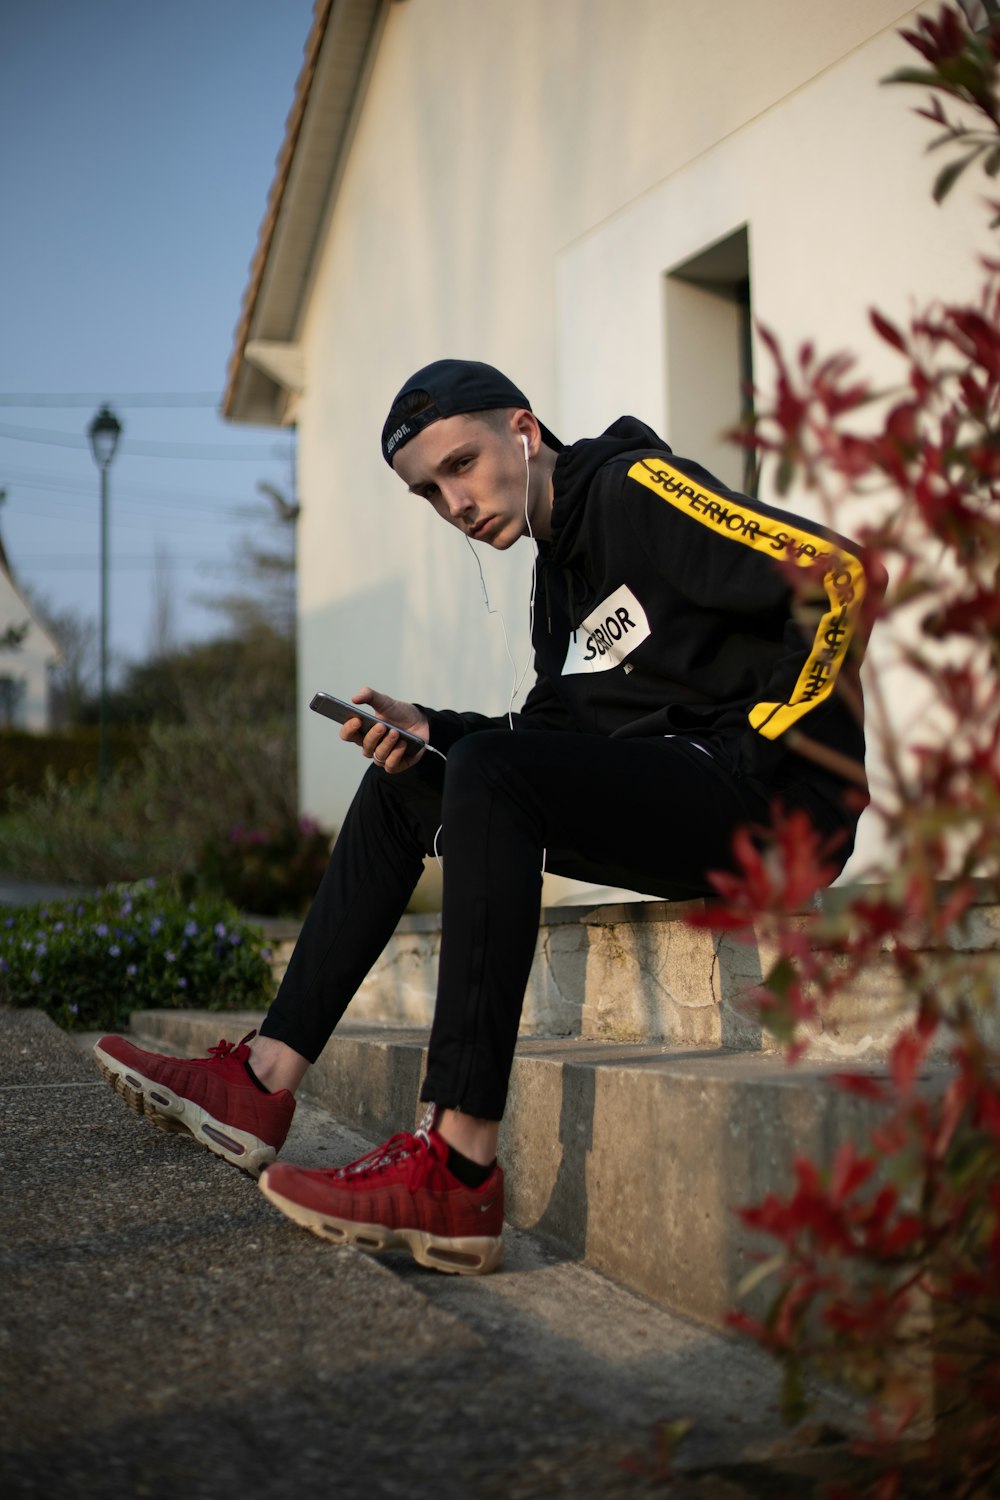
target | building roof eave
[{"x": 338, "y": 56}]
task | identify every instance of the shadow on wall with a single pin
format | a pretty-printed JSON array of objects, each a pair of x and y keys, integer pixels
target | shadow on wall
[{"x": 547, "y": 1156}]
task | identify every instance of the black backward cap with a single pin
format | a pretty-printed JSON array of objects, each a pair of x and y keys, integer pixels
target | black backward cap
[{"x": 450, "y": 388}]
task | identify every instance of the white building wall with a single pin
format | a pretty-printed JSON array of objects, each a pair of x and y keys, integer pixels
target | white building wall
[
  {"x": 28, "y": 663},
  {"x": 834, "y": 187},
  {"x": 522, "y": 178}
]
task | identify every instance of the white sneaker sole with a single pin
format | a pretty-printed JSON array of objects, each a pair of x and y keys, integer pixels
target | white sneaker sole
[
  {"x": 169, "y": 1111},
  {"x": 472, "y": 1256}
]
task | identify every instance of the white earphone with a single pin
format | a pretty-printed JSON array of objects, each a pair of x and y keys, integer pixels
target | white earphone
[{"x": 524, "y": 445}]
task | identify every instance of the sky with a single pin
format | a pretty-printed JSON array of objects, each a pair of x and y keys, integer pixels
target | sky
[{"x": 138, "y": 147}]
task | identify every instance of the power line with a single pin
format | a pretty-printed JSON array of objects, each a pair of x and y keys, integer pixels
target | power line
[
  {"x": 133, "y": 399},
  {"x": 135, "y": 449},
  {"x": 128, "y": 508},
  {"x": 168, "y": 525},
  {"x": 82, "y": 564},
  {"x": 125, "y": 491}
]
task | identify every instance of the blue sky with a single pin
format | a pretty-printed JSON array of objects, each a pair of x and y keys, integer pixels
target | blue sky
[{"x": 139, "y": 144}]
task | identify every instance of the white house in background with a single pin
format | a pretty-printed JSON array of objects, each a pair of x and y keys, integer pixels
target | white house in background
[
  {"x": 24, "y": 668},
  {"x": 594, "y": 196}
]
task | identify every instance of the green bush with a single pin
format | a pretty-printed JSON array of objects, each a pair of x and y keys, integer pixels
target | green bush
[
  {"x": 71, "y": 756},
  {"x": 70, "y": 836},
  {"x": 193, "y": 783},
  {"x": 89, "y": 962},
  {"x": 272, "y": 871}
]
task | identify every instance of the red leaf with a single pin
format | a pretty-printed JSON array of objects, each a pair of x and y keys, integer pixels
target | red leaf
[
  {"x": 952, "y": 1105},
  {"x": 887, "y": 330},
  {"x": 903, "y": 1235},
  {"x": 862, "y": 1084},
  {"x": 850, "y": 1171},
  {"x": 901, "y": 425},
  {"x": 741, "y": 1322},
  {"x": 906, "y": 1058}
]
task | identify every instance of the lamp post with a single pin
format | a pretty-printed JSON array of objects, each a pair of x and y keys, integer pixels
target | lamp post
[{"x": 104, "y": 432}]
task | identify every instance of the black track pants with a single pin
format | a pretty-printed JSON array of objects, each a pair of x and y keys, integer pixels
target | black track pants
[{"x": 651, "y": 815}]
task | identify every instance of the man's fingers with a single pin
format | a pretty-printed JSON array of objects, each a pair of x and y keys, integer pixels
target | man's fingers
[
  {"x": 395, "y": 754},
  {"x": 380, "y": 743},
  {"x": 350, "y": 731}
]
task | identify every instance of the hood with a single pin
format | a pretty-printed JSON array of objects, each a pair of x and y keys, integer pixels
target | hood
[{"x": 576, "y": 468}]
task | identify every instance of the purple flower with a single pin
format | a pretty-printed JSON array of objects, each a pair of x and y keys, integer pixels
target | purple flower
[
  {"x": 114, "y": 950},
  {"x": 74, "y": 1010},
  {"x": 169, "y": 956},
  {"x": 182, "y": 983},
  {"x": 190, "y": 929},
  {"x": 131, "y": 971},
  {"x": 220, "y": 929},
  {"x": 101, "y": 929}
]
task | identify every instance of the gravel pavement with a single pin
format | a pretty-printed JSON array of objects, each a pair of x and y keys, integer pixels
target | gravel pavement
[{"x": 164, "y": 1332}]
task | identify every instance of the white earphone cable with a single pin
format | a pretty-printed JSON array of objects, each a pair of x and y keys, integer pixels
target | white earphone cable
[{"x": 518, "y": 676}]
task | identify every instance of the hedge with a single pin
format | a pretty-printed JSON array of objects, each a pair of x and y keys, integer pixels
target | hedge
[{"x": 71, "y": 755}]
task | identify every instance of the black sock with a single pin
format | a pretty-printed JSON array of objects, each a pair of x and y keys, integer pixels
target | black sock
[
  {"x": 470, "y": 1173},
  {"x": 254, "y": 1079}
]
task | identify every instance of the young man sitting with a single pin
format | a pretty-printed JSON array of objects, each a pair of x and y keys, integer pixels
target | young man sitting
[{"x": 696, "y": 657}]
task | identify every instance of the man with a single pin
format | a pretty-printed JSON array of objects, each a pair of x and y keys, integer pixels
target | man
[{"x": 696, "y": 658}]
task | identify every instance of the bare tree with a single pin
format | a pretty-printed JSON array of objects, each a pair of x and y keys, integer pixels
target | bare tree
[{"x": 161, "y": 624}]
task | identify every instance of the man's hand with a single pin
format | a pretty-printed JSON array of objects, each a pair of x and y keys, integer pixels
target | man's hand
[{"x": 380, "y": 743}]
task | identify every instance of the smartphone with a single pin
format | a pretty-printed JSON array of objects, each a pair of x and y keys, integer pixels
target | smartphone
[{"x": 336, "y": 708}]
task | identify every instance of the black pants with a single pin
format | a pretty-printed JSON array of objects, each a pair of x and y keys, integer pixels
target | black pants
[{"x": 651, "y": 815}]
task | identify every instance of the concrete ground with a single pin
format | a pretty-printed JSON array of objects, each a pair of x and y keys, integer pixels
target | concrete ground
[
  {"x": 14, "y": 892},
  {"x": 164, "y": 1332}
]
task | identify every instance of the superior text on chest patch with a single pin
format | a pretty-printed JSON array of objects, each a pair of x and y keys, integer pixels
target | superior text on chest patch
[{"x": 608, "y": 635}]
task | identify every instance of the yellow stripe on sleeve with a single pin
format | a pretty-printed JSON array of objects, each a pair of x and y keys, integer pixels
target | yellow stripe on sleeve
[{"x": 736, "y": 519}]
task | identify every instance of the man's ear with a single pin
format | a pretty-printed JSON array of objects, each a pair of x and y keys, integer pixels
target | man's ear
[{"x": 526, "y": 429}]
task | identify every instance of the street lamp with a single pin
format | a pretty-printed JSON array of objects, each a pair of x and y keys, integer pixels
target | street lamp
[{"x": 104, "y": 432}]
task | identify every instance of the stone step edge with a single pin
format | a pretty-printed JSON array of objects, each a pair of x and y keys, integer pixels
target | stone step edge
[
  {"x": 639, "y": 972},
  {"x": 633, "y": 1156}
]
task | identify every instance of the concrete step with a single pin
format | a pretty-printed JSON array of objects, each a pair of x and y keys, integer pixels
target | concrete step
[
  {"x": 638, "y": 973},
  {"x": 632, "y": 1156}
]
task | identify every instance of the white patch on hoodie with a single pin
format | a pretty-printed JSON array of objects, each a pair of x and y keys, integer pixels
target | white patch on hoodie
[{"x": 608, "y": 635}]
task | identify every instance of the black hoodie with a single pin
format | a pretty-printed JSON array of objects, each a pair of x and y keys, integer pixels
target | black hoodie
[{"x": 668, "y": 604}]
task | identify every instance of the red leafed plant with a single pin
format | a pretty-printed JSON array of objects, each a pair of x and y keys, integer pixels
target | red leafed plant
[{"x": 887, "y": 1263}]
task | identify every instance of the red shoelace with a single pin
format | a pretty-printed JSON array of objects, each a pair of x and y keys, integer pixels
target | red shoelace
[
  {"x": 395, "y": 1150},
  {"x": 227, "y": 1049}
]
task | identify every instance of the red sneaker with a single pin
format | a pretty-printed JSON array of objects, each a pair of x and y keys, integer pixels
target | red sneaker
[
  {"x": 401, "y": 1195},
  {"x": 214, "y": 1098}
]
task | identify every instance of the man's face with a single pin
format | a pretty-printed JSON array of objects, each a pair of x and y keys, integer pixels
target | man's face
[{"x": 474, "y": 476}]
